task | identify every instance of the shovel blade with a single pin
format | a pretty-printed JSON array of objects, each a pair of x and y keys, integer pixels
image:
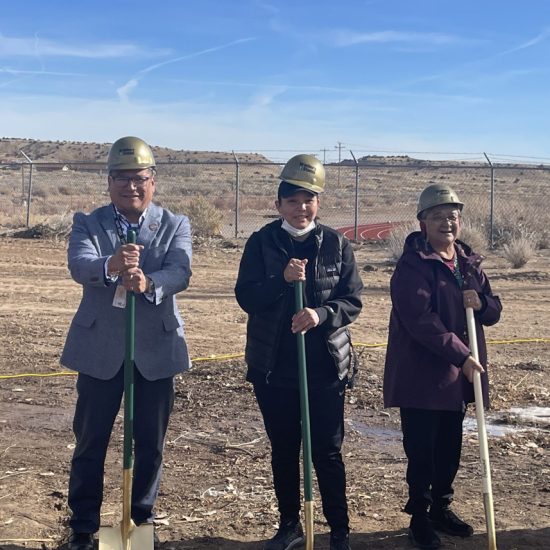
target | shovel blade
[{"x": 141, "y": 538}]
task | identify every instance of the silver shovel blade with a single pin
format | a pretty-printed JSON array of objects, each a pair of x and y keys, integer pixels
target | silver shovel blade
[{"x": 141, "y": 538}]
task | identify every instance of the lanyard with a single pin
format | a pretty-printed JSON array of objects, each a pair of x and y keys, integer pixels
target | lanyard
[
  {"x": 122, "y": 225},
  {"x": 456, "y": 272}
]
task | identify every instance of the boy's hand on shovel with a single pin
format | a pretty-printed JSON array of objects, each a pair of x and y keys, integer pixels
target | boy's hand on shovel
[
  {"x": 469, "y": 367},
  {"x": 304, "y": 320}
]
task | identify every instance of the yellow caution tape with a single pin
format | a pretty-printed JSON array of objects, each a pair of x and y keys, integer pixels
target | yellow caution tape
[{"x": 237, "y": 355}]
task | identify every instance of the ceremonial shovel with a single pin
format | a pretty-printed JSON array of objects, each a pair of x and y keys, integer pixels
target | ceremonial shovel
[
  {"x": 304, "y": 411},
  {"x": 128, "y": 536},
  {"x": 482, "y": 436}
]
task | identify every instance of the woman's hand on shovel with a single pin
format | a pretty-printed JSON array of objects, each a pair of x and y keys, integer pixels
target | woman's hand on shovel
[
  {"x": 469, "y": 367},
  {"x": 471, "y": 299}
]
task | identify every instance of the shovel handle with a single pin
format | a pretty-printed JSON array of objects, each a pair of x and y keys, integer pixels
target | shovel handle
[
  {"x": 129, "y": 369},
  {"x": 128, "y": 409},
  {"x": 304, "y": 413},
  {"x": 482, "y": 436}
]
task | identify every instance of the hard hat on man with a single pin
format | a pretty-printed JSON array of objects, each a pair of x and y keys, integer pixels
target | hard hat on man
[{"x": 130, "y": 153}]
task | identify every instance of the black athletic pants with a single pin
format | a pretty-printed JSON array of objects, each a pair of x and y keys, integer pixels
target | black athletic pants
[{"x": 280, "y": 408}]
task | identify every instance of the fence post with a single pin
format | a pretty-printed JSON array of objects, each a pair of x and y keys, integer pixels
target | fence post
[
  {"x": 29, "y": 194},
  {"x": 237, "y": 191},
  {"x": 492, "y": 203},
  {"x": 356, "y": 216}
]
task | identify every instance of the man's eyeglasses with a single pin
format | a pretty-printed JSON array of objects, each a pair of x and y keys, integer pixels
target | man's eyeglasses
[
  {"x": 452, "y": 217},
  {"x": 138, "y": 181}
]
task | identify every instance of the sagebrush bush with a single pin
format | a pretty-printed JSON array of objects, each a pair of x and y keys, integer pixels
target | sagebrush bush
[
  {"x": 396, "y": 239},
  {"x": 474, "y": 236},
  {"x": 520, "y": 249},
  {"x": 205, "y": 218}
]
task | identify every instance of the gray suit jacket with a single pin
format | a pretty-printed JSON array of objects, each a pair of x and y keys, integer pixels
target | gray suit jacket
[{"x": 95, "y": 343}]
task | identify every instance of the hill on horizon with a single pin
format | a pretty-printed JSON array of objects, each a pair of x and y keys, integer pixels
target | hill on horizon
[{"x": 81, "y": 151}]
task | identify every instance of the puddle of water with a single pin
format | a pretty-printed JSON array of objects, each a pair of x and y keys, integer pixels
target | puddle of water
[
  {"x": 494, "y": 430},
  {"x": 539, "y": 416},
  {"x": 515, "y": 420},
  {"x": 384, "y": 436}
]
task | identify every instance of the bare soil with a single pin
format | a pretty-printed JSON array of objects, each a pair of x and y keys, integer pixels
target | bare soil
[{"x": 216, "y": 491}]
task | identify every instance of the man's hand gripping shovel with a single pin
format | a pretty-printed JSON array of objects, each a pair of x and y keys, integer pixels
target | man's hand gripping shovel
[{"x": 128, "y": 536}]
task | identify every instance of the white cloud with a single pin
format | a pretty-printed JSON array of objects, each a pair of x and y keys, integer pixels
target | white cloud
[
  {"x": 343, "y": 38},
  {"x": 38, "y": 47},
  {"x": 541, "y": 37},
  {"x": 124, "y": 91}
]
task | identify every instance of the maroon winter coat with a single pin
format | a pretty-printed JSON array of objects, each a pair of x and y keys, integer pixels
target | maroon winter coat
[{"x": 428, "y": 339}]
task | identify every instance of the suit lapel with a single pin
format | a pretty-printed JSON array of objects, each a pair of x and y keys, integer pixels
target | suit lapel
[
  {"x": 106, "y": 218},
  {"x": 149, "y": 228}
]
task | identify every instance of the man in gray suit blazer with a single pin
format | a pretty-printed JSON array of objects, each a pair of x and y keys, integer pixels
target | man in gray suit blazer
[{"x": 156, "y": 268}]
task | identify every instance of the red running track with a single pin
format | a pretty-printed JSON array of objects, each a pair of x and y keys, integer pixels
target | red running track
[{"x": 371, "y": 231}]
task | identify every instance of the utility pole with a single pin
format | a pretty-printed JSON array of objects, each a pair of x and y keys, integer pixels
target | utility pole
[
  {"x": 339, "y": 147},
  {"x": 324, "y": 156}
]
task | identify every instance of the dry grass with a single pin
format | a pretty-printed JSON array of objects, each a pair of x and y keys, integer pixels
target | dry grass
[
  {"x": 520, "y": 249},
  {"x": 474, "y": 236},
  {"x": 205, "y": 218},
  {"x": 396, "y": 239}
]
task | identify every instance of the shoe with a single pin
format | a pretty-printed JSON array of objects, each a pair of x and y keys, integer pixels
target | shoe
[
  {"x": 81, "y": 541},
  {"x": 290, "y": 535},
  {"x": 339, "y": 539},
  {"x": 445, "y": 520},
  {"x": 422, "y": 534}
]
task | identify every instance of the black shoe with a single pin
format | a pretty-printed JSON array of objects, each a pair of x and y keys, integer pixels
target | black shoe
[
  {"x": 81, "y": 541},
  {"x": 445, "y": 520},
  {"x": 422, "y": 534},
  {"x": 339, "y": 539},
  {"x": 290, "y": 535}
]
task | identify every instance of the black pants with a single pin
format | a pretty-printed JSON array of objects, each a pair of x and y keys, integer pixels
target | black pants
[
  {"x": 97, "y": 405},
  {"x": 280, "y": 408},
  {"x": 433, "y": 443}
]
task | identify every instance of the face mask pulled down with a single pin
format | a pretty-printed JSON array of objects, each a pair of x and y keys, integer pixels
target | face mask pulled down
[{"x": 293, "y": 232}]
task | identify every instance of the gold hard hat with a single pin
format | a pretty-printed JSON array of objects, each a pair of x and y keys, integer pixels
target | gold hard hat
[
  {"x": 305, "y": 171},
  {"x": 130, "y": 153},
  {"x": 436, "y": 195}
]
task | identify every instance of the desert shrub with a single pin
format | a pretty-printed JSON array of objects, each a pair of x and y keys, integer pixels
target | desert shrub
[
  {"x": 39, "y": 191},
  {"x": 396, "y": 239},
  {"x": 55, "y": 227},
  {"x": 520, "y": 249},
  {"x": 65, "y": 190},
  {"x": 474, "y": 236},
  {"x": 205, "y": 218}
]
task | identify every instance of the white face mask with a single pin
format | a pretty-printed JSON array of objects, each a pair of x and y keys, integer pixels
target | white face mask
[{"x": 297, "y": 232}]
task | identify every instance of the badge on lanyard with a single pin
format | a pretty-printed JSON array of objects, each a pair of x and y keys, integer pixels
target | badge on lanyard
[{"x": 119, "y": 299}]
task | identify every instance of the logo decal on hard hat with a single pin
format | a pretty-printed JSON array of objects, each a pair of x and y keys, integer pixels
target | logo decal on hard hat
[{"x": 307, "y": 168}]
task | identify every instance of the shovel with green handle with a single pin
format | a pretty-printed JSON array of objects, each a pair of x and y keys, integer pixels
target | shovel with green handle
[
  {"x": 304, "y": 411},
  {"x": 128, "y": 536},
  {"x": 482, "y": 436}
]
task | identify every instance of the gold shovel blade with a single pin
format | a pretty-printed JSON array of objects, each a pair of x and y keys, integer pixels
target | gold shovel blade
[{"x": 141, "y": 538}]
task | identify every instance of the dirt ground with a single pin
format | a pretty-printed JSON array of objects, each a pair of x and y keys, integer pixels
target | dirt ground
[{"x": 216, "y": 491}]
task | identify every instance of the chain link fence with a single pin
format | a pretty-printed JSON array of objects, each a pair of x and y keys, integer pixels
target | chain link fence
[{"x": 357, "y": 194}]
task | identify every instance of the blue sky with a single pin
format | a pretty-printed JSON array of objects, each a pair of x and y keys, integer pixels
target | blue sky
[{"x": 422, "y": 76}]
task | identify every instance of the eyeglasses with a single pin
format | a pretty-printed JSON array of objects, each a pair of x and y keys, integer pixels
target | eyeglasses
[
  {"x": 452, "y": 217},
  {"x": 138, "y": 181}
]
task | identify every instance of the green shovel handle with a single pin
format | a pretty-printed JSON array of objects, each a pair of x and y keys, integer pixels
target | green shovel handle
[
  {"x": 129, "y": 370},
  {"x": 304, "y": 398}
]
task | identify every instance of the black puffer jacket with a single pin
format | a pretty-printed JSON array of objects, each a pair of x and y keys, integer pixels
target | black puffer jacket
[{"x": 263, "y": 293}]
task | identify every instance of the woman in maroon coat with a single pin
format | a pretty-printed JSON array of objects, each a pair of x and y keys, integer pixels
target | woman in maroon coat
[{"x": 429, "y": 369}]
